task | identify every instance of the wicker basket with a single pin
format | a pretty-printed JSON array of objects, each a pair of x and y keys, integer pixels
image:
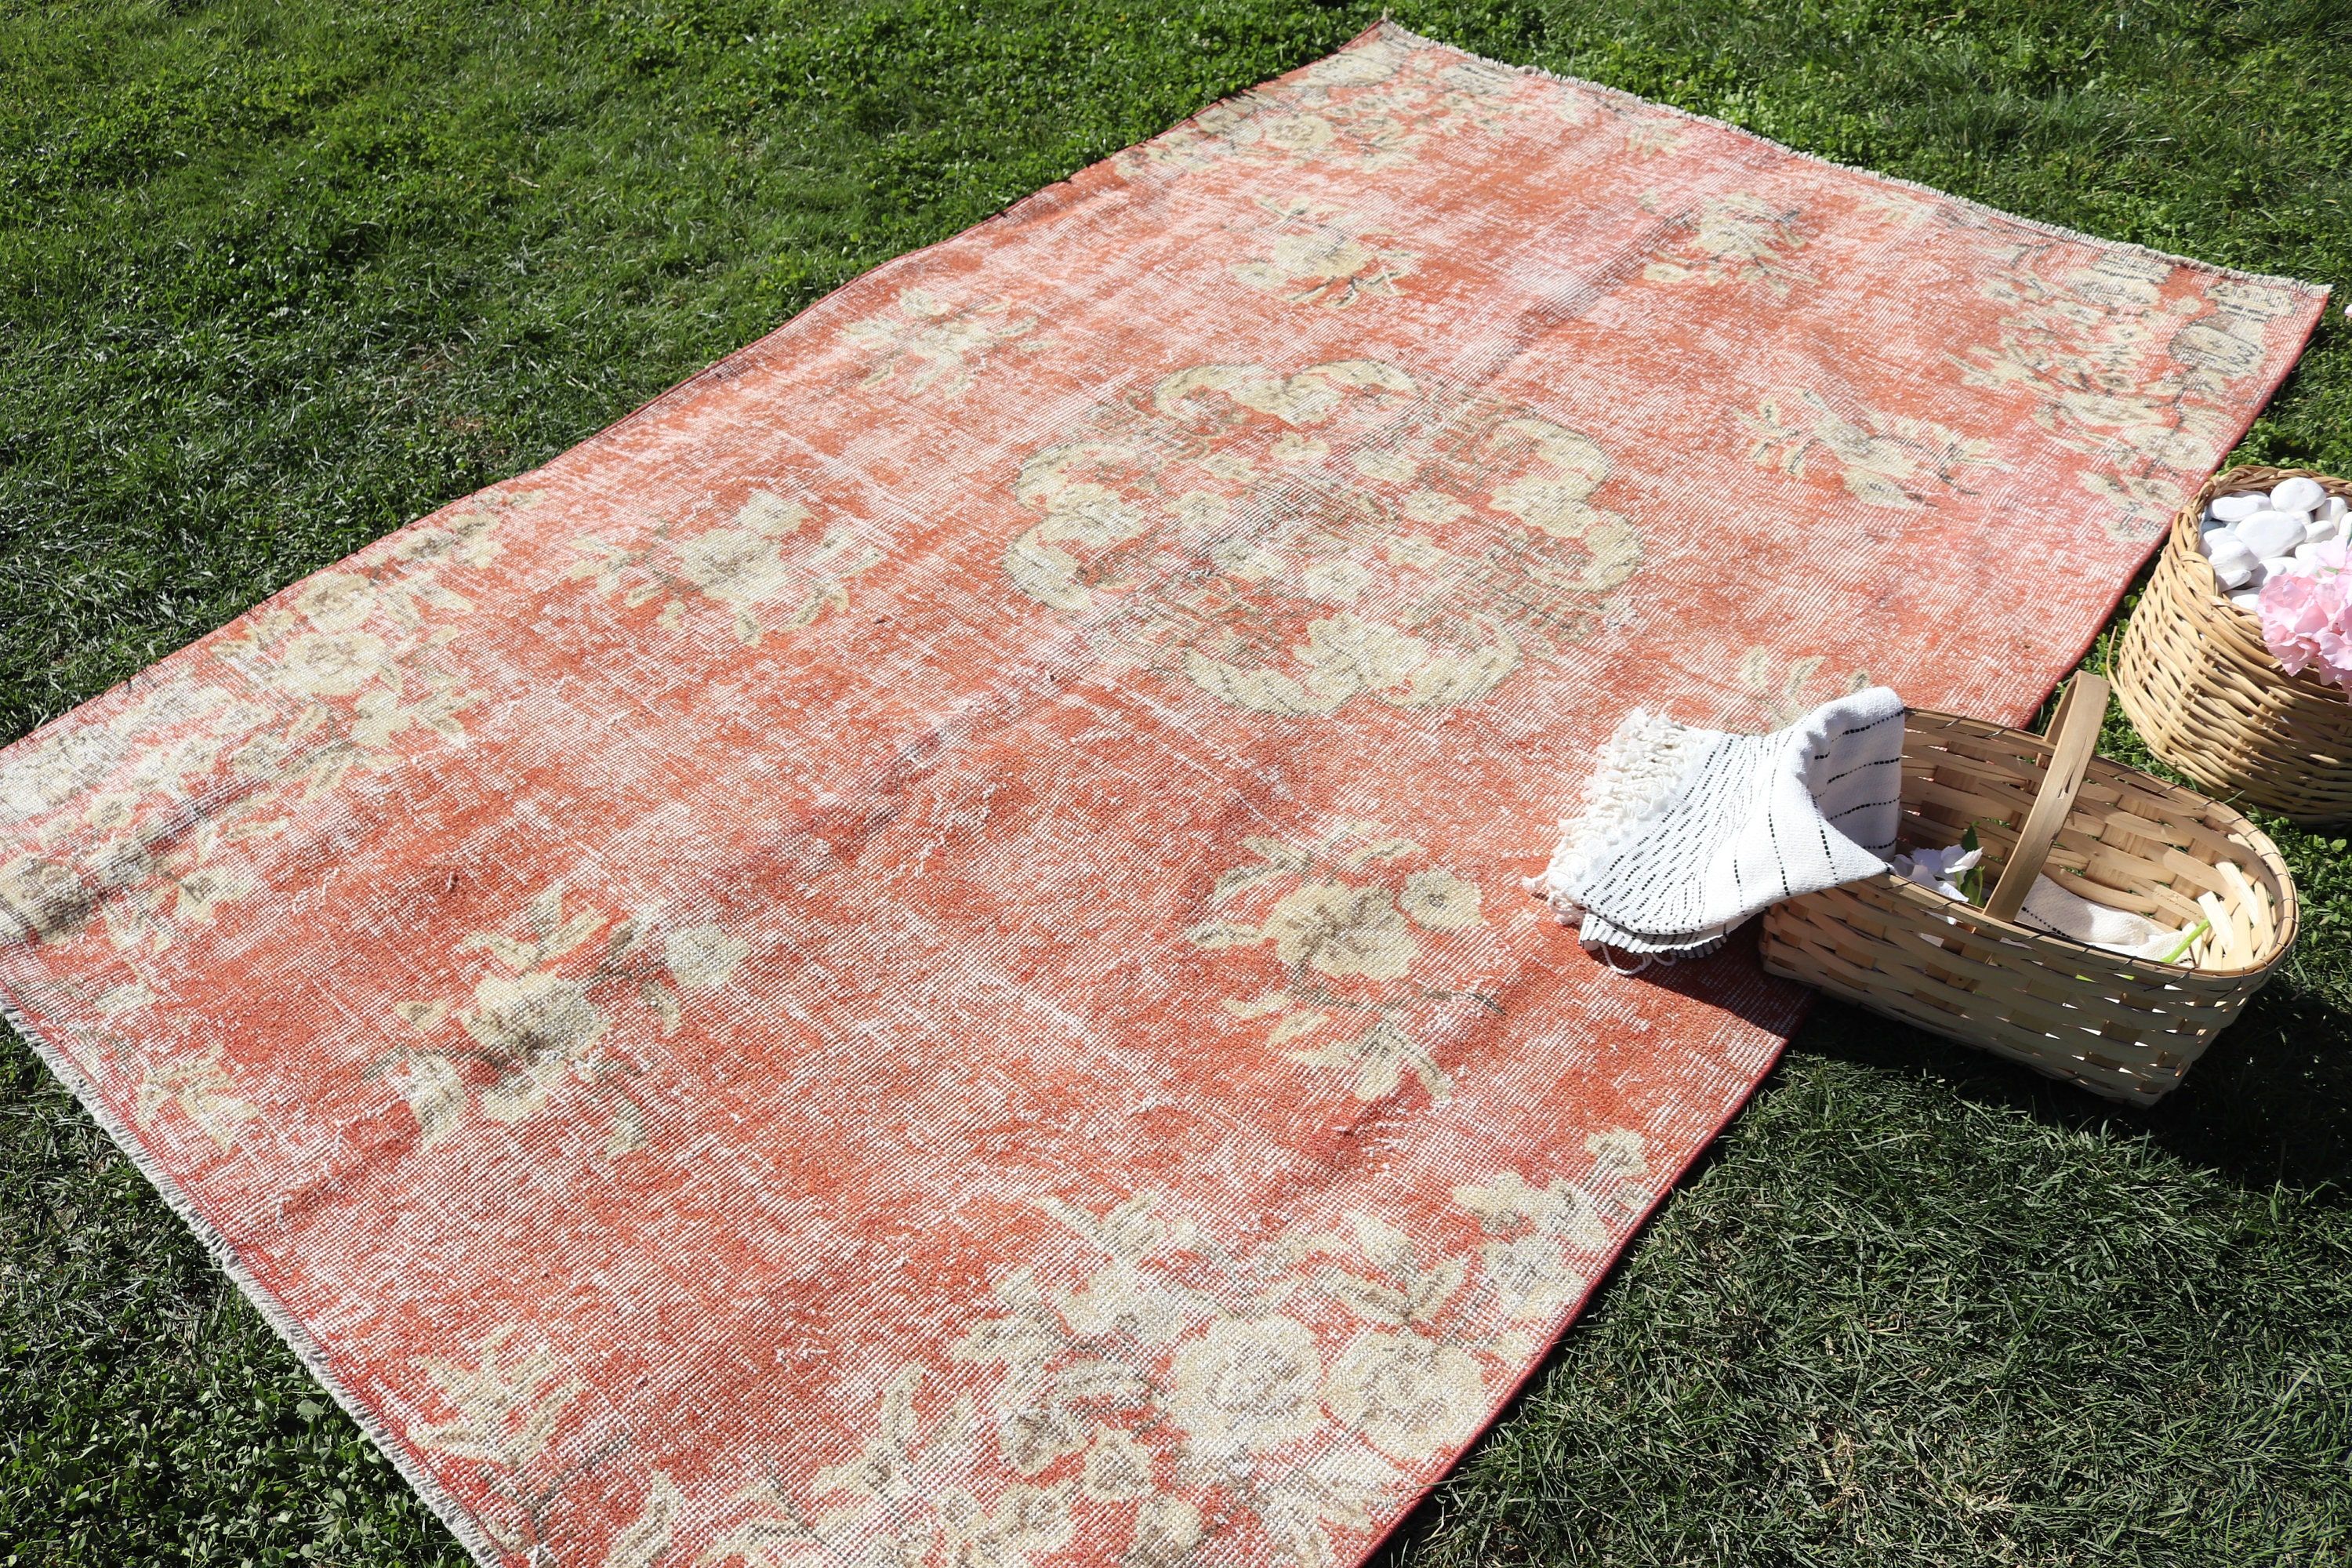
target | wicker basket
[
  {"x": 2121, "y": 1028},
  {"x": 2208, "y": 697}
]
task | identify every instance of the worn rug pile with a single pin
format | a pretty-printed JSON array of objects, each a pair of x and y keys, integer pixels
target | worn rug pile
[{"x": 916, "y": 953}]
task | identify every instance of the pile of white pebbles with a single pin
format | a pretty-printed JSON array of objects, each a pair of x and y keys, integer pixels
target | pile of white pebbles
[{"x": 2256, "y": 535}]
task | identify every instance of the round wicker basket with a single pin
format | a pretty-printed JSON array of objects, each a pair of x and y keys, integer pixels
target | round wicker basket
[
  {"x": 2208, "y": 697},
  {"x": 2126, "y": 1028}
]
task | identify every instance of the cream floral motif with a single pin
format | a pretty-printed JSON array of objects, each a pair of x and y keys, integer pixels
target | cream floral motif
[
  {"x": 763, "y": 567},
  {"x": 164, "y": 1082},
  {"x": 1784, "y": 688},
  {"x": 150, "y": 808},
  {"x": 936, "y": 346},
  {"x": 645, "y": 1541},
  {"x": 1645, "y": 128},
  {"x": 1351, "y": 931},
  {"x": 93, "y": 780},
  {"x": 1322, "y": 256},
  {"x": 1541, "y": 1231},
  {"x": 362, "y": 646},
  {"x": 908, "y": 1500},
  {"x": 1173, "y": 1395},
  {"x": 539, "y": 1022},
  {"x": 1275, "y": 538},
  {"x": 1411, "y": 1396},
  {"x": 199, "y": 1085},
  {"x": 2123, "y": 365},
  {"x": 1735, "y": 239},
  {"x": 1372, "y": 107},
  {"x": 505, "y": 1403},
  {"x": 1649, "y": 134},
  {"x": 1882, "y": 459}
]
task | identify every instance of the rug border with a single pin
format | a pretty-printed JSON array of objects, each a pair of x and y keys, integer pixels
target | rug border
[
  {"x": 1386, "y": 26},
  {"x": 443, "y": 1504}
]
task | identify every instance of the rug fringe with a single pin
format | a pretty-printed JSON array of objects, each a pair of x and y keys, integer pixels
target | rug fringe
[{"x": 1635, "y": 775}]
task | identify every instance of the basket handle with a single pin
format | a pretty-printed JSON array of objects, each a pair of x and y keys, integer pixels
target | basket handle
[{"x": 2074, "y": 740}]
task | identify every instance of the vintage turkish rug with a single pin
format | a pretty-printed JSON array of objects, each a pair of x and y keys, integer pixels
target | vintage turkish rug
[{"x": 917, "y": 955}]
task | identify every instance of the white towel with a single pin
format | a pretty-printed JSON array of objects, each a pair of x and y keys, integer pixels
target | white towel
[
  {"x": 2063, "y": 913},
  {"x": 2060, "y": 910},
  {"x": 1685, "y": 833}
]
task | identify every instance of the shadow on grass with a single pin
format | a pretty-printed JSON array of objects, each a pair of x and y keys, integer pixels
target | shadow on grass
[{"x": 2269, "y": 1103}]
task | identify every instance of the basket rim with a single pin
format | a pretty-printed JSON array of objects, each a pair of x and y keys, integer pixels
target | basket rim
[
  {"x": 2187, "y": 521},
  {"x": 2221, "y": 816}
]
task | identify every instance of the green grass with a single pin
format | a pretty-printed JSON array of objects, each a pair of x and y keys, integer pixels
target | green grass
[{"x": 275, "y": 279}]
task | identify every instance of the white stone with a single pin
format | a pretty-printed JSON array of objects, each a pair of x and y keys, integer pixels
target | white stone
[
  {"x": 2333, "y": 509},
  {"x": 2247, "y": 599},
  {"x": 2297, "y": 494},
  {"x": 2270, "y": 533},
  {"x": 2307, "y": 558},
  {"x": 2238, "y": 508},
  {"x": 2319, "y": 532},
  {"x": 2233, "y": 563},
  {"x": 2278, "y": 566}
]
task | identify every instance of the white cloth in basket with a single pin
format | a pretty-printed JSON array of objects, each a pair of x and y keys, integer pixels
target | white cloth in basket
[
  {"x": 1685, "y": 832},
  {"x": 2063, "y": 913},
  {"x": 2059, "y": 910}
]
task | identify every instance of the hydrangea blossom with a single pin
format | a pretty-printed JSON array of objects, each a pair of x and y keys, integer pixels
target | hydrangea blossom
[{"x": 2306, "y": 615}]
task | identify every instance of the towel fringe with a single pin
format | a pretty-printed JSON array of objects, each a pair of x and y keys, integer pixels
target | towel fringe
[{"x": 1635, "y": 776}]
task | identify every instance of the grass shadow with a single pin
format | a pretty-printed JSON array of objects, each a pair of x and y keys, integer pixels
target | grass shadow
[{"x": 2269, "y": 1103}]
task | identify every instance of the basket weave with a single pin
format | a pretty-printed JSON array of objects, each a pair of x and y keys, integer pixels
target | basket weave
[
  {"x": 2208, "y": 697},
  {"x": 2122, "y": 1028}
]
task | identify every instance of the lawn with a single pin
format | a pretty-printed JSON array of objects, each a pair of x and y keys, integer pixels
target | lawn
[{"x": 275, "y": 279}]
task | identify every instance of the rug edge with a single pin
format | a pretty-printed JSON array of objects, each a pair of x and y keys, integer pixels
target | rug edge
[
  {"x": 1776, "y": 1051},
  {"x": 1385, "y": 28},
  {"x": 443, "y": 1504}
]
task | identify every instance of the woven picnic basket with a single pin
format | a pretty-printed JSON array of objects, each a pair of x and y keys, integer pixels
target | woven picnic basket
[
  {"x": 2210, "y": 698},
  {"x": 2122, "y": 1028}
]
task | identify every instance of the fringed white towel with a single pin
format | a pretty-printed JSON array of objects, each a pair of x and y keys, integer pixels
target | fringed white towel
[{"x": 1685, "y": 833}]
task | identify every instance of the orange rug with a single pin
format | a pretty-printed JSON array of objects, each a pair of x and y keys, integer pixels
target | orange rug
[{"x": 917, "y": 954}]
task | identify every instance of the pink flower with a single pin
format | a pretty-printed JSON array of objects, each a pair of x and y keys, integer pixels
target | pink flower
[{"x": 2306, "y": 616}]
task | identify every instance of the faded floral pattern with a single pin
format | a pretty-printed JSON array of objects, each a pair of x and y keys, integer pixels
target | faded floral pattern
[
  {"x": 1736, "y": 239},
  {"x": 1174, "y": 1394},
  {"x": 816, "y": 981},
  {"x": 174, "y": 1085},
  {"x": 2116, "y": 360},
  {"x": 537, "y": 1023},
  {"x": 1882, "y": 459},
  {"x": 1275, "y": 539},
  {"x": 345, "y": 672},
  {"x": 43, "y": 900},
  {"x": 769, "y": 569},
  {"x": 504, "y": 1402},
  {"x": 364, "y": 651},
  {"x": 931, "y": 346},
  {"x": 1345, "y": 918},
  {"x": 1370, "y": 108},
  {"x": 1785, "y": 689},
  {"x": 198, "y": 1085},
  {"x": 1323, "y": 256}
]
